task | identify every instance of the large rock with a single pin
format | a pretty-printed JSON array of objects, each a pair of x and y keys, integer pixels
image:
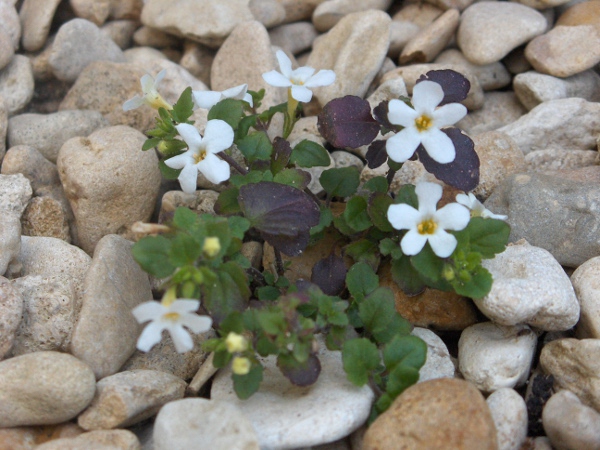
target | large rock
[
  {"x": 106, "y": 333},
  {"x": 11, "y": 310},
  {"x": 442, "y": 413},
  {"x": 585, "y": 281},
  {"x": 43, "y": 388},
  {"x": 17, "y": 83},
  {"x": 557, "y": 212},
  {"x": 109, "y": 181}
]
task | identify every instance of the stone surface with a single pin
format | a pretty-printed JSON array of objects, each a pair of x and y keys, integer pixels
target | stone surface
[
  {"x": 202, "y": 423},
  {"x": 49, "y": 313},
  {"x": 323, "y": 412},
  {"x": 293, "y": 38},
  {"x": 354, "y": 49},
  {"x": 488, "y": 31},
  {"x": 500, "y": 108},
  {"x": 45, "y": 216},
  {"x": 106, "y": 332},
  {"x": 180, "y": 18},
  {"x": 109, "y": 181},
  {"x": 36, "y": 18},
  {"x": 10, "y": 239},
  {"x": 565, "y": 50},
  {"x": 268, "y": 12},
  {"x": 575, "y": 365},
  {"x": 533, "y": 88},
  {"x": 6, "y": 49},
  {"x": 584, "y": 281},
  {"x": 48, "y": 132},
  {"x": 43, "y": 388},
  {"x": 529, "y": 287},
  {"x": 201, "y": 202},
  {"x": 9, "y": 21},
  {"x": 557, "y": 159},
  {"x": 510, "y": 418},
  {"x": 431, "y": 40},
  {"x": 3, "y": 127},
  {"x": 540, "y": 209},
  {"x": 570, "y": 424},
  {"x": 121, "y": 32},
  {"x": 11, "y": 310},
  {"x": 443, "y": 413},
  {"x": 438, "y": 363},
  {"x": 95, "y": 11},
  {"x": 16, "y": 83},
  {"x": 129, "y": 397},
  {"x": 493, "y": 356},
  {"x": 327, "y": 14},
  {"x": 95, "y": 440},
  {"x": 78, "y": 43},
  {"x": 15, "y": 192}
]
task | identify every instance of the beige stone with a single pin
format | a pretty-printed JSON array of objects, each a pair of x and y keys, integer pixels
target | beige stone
[
  {"x": 17, "y": 83},
  {"x": 36, "y": 18},
  {"x": 585, "y": 281},
  {"x": 554, "y": 159},
  {"x": 499, "y": 109},
  {"x": 431, "y": 40},
  {"x": 95, "y": 440},
  {"x": 329, "y": 13},
  {"x": 584, "y": 13},
  {"x": 490, "y": 76},
  {"x": 296, "y": 10},
  {"x": 295, "y": 37},
  {"x": 95, "y": 11},
  {"x": 11, "y": 310}
]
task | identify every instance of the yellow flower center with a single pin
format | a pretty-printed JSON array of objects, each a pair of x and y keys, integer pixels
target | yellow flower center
[
  {"x": 199, "y": 156},
  {"x": 212, "y": 246},
  {"x": 423, "y": 123},
  {"x": 171, "y": 316},
  {"x": 427, "y": 227}
]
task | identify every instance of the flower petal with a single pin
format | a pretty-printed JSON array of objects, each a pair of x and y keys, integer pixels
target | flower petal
[
  {"x": 151, "y": 336},
  {"x": 285, "y": 63},
  {"x": 248, "y": 99},
  {"x": 218, "y": 136},
  {"x": 159, "y": 76},
  {"x": 452, "y": 217},
  {"x": 412, "y": 242},
  {"x": 426, "y": 96},
  {"x": 276, "y": 79},
  {"x": 403, "y": 216},
  {"x": 181, "y": 338},
  {"x": 180, "y": 161},
  {"x": 148, "y": 311},
  {"x": 190, "y": 135},
  {"x": 301, "y": 75},
  {"x": 214, "y": 168},
  {"x": 399, "y": 113},
  {"x": 439, "y": 146},
  {"x": 184, "y": 305},
  {"x": 321, "y": 78},
  {"x": 428, "y": 194},
  {"x": 442, "y": 243},
  {"x": 236, "y": 92},
  {"x": 449, "y": 114},
  {"x": 403, "y": 145},
  {"x": 465, "y": 200},
  {"x": 147, "y": 83},
  {"x": 188, "y": 178},
  {"x": 301, "y": 93},
  {"x": 196, "y": 323},
  {"x": 133, "y": 103},
  {"x": 206, "y": 99}
]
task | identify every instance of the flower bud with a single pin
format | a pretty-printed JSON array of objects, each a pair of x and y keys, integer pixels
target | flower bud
[
  {"x": 448, "y": 272},
  {"x": 241, "y": 365},
  {"x": 236, "y": 342},
  {"x": 212, "y": 246}
]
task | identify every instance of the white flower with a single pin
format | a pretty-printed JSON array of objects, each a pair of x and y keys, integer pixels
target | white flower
[
  {"x": 298, "y": 80},
  {"x": 151, "y": 96},
  {"x": 170, "y": 316},
  {"x": 208, "y": 99},
  {"x": 427, "y": 223},
  {"x": 422, "y": 124},
  {"x": 477, "y": 208},
  {"x": 201, "y": 155}
]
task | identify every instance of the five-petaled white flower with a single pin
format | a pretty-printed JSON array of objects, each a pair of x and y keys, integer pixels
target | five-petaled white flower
[
  {"x": 477, "y": 208},
  {"x": 299, "y": 80},
  {"x": 428, "y": 224},
  {"x": 171, "y": 316},
  {"x": 151, "y": 96},
  {"x": 208, "y": 99},
  {"x": 201, "y": 154},
  {"x": 422, "y": 124}
]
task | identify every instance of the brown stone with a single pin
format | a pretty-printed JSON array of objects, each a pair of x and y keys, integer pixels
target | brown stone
[
  {"x": 445, "y": 413},
  {"x": 585, "y": 13},
  {"x": 44, "y": 216}
]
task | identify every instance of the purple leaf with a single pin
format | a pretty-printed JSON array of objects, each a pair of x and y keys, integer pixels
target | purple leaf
[
  {"x": 377, "y": 154},
  {"x": 463, "y": 172},
  {"x": 347, "y": 122},
  {"x": 281, "y": 154},
  {"x": 300, "y": 374},
  {"x": 454, "y": 84},
  {"x": 330, "y": 274}
]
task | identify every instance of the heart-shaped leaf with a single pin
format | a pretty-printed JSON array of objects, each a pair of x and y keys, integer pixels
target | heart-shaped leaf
[{"x": 347, "y": 122}]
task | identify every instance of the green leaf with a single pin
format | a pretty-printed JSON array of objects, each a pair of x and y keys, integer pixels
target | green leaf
[
  {"x": 271, "y": 322},
  {"x": 478, "y": 286},
  {"x": 244, "y": 127},
  {"x": 184, "y": 218},
  {"x": 377, "y": 184},
  {"x": 227, "y": 202},
  {"x": 293, "y": 177},
  {"x": 359, "y": 357},
  {"x": 407, "y": 195},
  {"x": 406, "y": 276},
  {"x": 401, "y": 378},
  {"x": 152, "y": 254},
  {"x": 356, "y": 215},
  {"x": 361, "y": 280},
  {"x": 265, "y": 116},
  {"x": 256, "y": 146},
  {"x": 409, "y": 351},
  {"x": 378, "y": 314},
  {"x": 167, "y": 172},
  {"x": 246, "y": 385},
  {"x": 184, "y": 108},
  {"x": 487, "y": 236},
  {"x": 184, "y": 250},
  {"x": 150, "y": 143},
  {"x": 364, "y": 250},
  {"x": 310, "y": 154},
  {"x": 428, "y": 263},
  {"x": 390, "y": 247},
  {"x": 268, "y": 293},
  {"x": 226, "y": 292},
  {"x": 325, "y": 219},
  {"x": 238, "y": 226},
  {"x": 341, "y": 182},
  {"x": 230, "y": 110},
  {"x": 378, "y": 207},
  {"x": 221, "y": 358}
]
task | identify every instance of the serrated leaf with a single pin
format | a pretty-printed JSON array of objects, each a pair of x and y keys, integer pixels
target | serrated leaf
[
  {"x": 409, "y": 351},
  {"x": 477, "y": 287},
  {"x": 246, "y": 385},
  {"x": 152, "y": 254},
  {"x": 347, "y": 122},
  {"x": 340, "y": 182},
  {"x": 184, "y": 218},
  {"x": 378, "y": 314},
  {"x": 329, "y": 274},
  {"x": 356, "y": 214},
  {"x": 454, "y": 84},
  {"x": 487, "y": 236},
  {"x": 229, "y": 110},
  {"x": 359, "y": 357},
  {"x": 463, "y": 172},
  {"x": 310, "y": 154},
  {"x": 184, "y": 250},
  {"x": 361, "y": 280}
]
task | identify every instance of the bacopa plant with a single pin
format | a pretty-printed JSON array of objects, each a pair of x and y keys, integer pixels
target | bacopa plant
[{"x": 260, "y": 313}]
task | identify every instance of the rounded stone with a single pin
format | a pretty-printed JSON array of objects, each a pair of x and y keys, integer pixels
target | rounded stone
[
  {"x": 36, "y": 17},
  {"x": 438, "y": 363},
  {"x": 11, "y": 310},
  {"x": 509, "y": 412},
  {"x": 585, "y": 281},
  {"x": 109, "y": 181},
  {"x": 17, "y": 83},
  {"x": 441, "y": 413},
  {"x": 43, "y": 388}
]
